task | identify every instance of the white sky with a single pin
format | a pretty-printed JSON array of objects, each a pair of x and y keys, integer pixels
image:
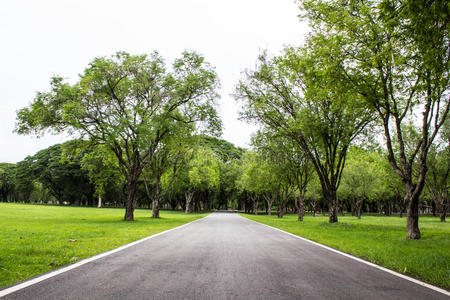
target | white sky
[{"x": 43, "y": 38}]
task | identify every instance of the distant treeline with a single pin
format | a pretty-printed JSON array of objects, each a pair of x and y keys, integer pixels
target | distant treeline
[{"x": 214, "y": 174}]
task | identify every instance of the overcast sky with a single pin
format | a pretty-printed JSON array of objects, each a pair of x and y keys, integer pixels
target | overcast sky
[{"x": 43, "y": 38}]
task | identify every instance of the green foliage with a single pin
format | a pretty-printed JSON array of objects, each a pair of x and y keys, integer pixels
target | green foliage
[
  {"x": 24, "y": 179},
  {"x": 295, "y": 95},
  {"x": 289, "y": 161},
  {"x": 364, "y": 175},
  {"x": 229, "y": 174},
  {"x": 207, "y": 172},
  {"x": 129, "y": 104},
  {"x": 7, "y": 181},
  {"x": 438, "y": 177},
  {"x": 97, "y": 161},
  {"x": 65, "y": 180},
  {"x": 395, "y": 55},
  {"x": 226, "y": 151},
  {"x": 204, "y": 171}
]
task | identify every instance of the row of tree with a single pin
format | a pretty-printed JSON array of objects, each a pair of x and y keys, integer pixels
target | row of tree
[
  {"x": 282, "y": 177},
  {"x": 200, "y": 177},
  {"x": 214, "y": 174},
  {"x": 366, "y": 65}
]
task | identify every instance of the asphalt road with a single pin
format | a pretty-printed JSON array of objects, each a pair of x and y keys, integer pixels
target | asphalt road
[{"x": 225, "y": 256}]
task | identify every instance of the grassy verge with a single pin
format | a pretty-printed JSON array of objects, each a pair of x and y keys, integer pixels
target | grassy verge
[
  {"x": 35, "y": 239},
  {"x": 380, "y": 240}
]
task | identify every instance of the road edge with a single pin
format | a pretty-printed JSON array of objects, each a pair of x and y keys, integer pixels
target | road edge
[
  {"x": 416, "y": 281},
  {"x": 50, "y": 274}
]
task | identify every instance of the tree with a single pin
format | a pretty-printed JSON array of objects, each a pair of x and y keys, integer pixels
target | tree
[
  {"x": 438, "y": 179},
  {"x": 297, "y": 96},
  {"x": 395, "y": 54},
  {"x": 65, "y": 180},
  {"x": 290, "y": 165},
  {"x": 229, "y": 174},
  {"x": 98, "y": 161},
  {"x": 225, "y": 150},
  {"x": 7, "y": 181},
  {"x": 229, "y": 157},
  {"x": 24, "y": 180},
  {"x": 362, "y": 179},
  {"x": 170, "y": 155},
  {"x": 253, "y": 179},
  {"x": 129, "y": 104},
  {"x": 204, "y": 175}
]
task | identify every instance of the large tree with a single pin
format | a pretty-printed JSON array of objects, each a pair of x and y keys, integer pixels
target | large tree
[
  {"x": 296, "y": 95},
  {"x": 129, "y": 104},
  {"x": 395, "y": 54}
]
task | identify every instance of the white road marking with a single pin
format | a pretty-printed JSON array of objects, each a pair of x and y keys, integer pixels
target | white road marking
[
  {"x": 51, "y": 274},
  {"x": 435, "y": 288}
]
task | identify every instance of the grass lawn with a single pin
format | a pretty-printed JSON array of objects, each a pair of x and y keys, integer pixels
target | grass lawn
[
  {"x": 379, "y": 239},
  {"x": 35, "y": 238}
]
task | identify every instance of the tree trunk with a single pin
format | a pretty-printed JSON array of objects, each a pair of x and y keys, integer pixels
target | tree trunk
[
  {"x": 402, "y": 211},
  {"x": 442, "y": 215},
  {"x": 359, "y": 206},
  {"x": 433, "y": 208},
  {"x": 301, "y": 208},
  {"x": 299, "y": 204},
  {"x": 155, "y": 207},
  {"x": 442, "y": 205},
  {"x": 269, "y": 201},
  {"x": 314, "y": 208},
  {"x": 269, "y": 207},
  {"x": 412, "y": 213},
  {"x": 206, "y": 201},
  {"x": 129, "y": 206},
  {"x": 332, "y": 206},
  {"x": 189, "y": 196},
  {"x": 131, "y": 201},
  {"x": 387, "y": 209},
  {"x": 99, "y": 202},
  {"x": 255, "y": 204},
  {"x": 280, "y": 210},
  {"x": 156, "y": 198}
]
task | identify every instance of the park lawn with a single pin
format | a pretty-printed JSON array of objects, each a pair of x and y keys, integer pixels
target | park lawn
[
  {"x": 379, "y": 239},
  {"x": 35, "y": 238}
]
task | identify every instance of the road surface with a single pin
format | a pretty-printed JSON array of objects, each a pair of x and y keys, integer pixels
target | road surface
[{"x": 225, "y": 256}]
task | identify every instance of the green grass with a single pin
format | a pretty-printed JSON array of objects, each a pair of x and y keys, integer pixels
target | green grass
[
  {"x": 381, "y": 240},
  {"x": 35, "y": 238}
]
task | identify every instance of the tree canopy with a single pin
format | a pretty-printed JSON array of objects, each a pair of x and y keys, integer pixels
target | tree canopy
[
  {"x": 296, "y": 95},
  {"x": 129, "y": 104},
  {"x": 395, "y": 55}
]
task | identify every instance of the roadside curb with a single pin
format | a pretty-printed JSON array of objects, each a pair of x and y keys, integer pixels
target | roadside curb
[
  {"x": 56, "y": 272},
  {"x": 416, "y": 281}
]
